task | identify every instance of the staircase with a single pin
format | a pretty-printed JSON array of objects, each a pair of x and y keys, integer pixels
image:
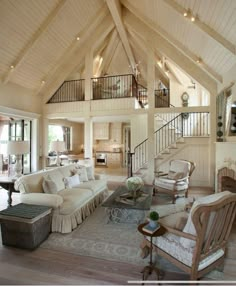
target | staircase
[{"x": 169, "y": 137}]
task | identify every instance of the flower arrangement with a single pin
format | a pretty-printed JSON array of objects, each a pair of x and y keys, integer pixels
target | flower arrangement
[{"x": 134, "y": 183}]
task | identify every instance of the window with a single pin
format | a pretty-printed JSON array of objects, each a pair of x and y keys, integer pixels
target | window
[{"x": 61, "y": 133}]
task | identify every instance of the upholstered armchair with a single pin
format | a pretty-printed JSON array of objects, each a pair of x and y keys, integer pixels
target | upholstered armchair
[
  {"x": 196, "y": 241},
  {"x": 176, "y": 181}
]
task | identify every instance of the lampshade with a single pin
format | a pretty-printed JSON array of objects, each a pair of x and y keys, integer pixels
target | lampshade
[
  {"x": 18, "y": 147},
  {"x": 57, "y": 146}
]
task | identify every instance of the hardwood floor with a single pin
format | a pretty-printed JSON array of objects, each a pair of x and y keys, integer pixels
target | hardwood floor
[{"x": 42, "y": 266}]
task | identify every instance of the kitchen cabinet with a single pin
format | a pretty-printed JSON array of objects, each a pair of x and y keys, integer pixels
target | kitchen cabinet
[
  {"x": 101, "y": 131},
  {"x": 116, "y": 129},
  {"x": 114, "y": 159}
]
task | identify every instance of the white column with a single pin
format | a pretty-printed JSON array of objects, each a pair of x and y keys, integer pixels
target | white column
[
  {"x": 88, "y": 138},
  {"x": 150, "y": 117},
  {"x": 45, "y": 141}
]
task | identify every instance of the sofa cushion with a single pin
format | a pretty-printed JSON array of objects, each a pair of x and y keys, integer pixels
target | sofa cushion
[
  {"x": 81, "y": 171},
  {"x": 73, "y": 199},
  {"x": 90, "y": 173},
  {"x": 72, "y": 181},
  {"x": 58, "y": 178},
  {"x": 95, "y": 186},
  {"x": 49, "y": 186}
]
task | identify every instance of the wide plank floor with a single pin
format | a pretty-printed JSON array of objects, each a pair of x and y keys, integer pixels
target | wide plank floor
[{"x": 42, "y": 266}]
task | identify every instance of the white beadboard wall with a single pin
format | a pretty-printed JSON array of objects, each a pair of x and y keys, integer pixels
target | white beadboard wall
[
  {"x": 79, "y": 108},
  {"x": 113, "y": 104},
  {"x": 196, "y": 150}
]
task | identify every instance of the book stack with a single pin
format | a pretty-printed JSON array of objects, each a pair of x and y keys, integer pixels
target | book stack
[{"x": 149, "y": 229}]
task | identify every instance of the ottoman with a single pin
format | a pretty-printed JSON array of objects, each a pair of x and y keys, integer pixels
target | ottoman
[{"x": 25, "y": 226}]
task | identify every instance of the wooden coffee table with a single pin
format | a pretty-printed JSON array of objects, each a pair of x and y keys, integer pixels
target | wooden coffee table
[
  {"x": 147, "y": 270},
  {"x": 122, "y": 209}
]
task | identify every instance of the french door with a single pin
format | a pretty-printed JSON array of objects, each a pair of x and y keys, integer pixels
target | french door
[{"x": 21, "y": 130}]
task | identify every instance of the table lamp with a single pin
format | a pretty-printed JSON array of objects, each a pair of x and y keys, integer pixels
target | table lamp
[
  {"x": 18, "y": 148},
  {"x": 58, "y": 146}
]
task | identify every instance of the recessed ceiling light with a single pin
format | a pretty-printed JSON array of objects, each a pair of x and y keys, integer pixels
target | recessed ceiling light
[
  {"x": 185, "y": 14},
  {"x": 77, "y": 38},
  {"x": 12, "y": 67},
  {"x": 43, "y": 81},
  {"x": 192, "y": 18}
]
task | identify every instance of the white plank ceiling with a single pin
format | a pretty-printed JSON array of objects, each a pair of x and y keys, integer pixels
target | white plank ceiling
[{"x": 37, "y": 36}]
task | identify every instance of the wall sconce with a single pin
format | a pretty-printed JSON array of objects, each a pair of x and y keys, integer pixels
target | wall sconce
[{"x": 18, "y": 148}]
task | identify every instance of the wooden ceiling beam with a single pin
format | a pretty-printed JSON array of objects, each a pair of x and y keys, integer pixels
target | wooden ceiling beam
[
  {"x": 204, "y": 27},
  {"x": 140, "y": 44},
  {"x": 109, "y": 52},
  {"x": 75, "y": 55},
  {"x": 153, "y": 26},
  {"x": 170, "y": 51},
  {"x": 116, "y": 12},
  {"x": 32, "y": 42}
]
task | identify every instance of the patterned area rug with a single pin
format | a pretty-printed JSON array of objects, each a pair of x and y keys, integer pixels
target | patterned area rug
[{"x": 97, "y": 238}]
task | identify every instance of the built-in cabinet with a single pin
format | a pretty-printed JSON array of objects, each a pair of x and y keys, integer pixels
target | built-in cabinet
[
  {"x": 101, "y": 131},
  {"x": 114, "y": 159},
  {"x": 115, "y": 132}
]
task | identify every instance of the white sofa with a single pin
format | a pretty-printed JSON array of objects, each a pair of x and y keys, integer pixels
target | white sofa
[{"x": 71, "y": 205}]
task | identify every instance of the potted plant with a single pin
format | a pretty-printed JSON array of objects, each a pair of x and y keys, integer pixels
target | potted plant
[{"x": 153, "y": 218}]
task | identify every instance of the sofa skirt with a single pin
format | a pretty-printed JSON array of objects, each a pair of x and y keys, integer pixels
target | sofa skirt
[{"x": 66, "y": 223}]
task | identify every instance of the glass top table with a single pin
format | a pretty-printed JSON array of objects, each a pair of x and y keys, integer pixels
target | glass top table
[{"x": 121, "y": 207}]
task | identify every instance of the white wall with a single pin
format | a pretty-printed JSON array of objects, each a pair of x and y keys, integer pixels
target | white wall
[
  {"x": 138, "y": 126},
  {"x": 177, "y": 89},
  {"x": 15, "y": 96}
]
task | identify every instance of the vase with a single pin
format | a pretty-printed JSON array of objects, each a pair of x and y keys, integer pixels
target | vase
[{"x": 153, "y": 223}]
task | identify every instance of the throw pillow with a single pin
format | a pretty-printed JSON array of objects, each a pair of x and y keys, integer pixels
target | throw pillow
[
  {"x": 81, "y": 171},
  {"x": 175, "y": 175},
  {"x": 90, "y": 172},
  {"x": 71, "y": 182},
  {"x": 49, "y": 186}
]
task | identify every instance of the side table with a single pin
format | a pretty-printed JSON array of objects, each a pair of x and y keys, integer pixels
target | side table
[
  {"x": 147, "y": 270},
  {"x": 25, "y": 225},
  {"x": 7, "y": 183}
]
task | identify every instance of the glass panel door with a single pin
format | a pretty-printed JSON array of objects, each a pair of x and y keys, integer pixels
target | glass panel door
[{"x": 20, "y": 130}]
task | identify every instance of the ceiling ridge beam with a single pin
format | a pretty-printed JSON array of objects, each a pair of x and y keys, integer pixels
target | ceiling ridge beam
[
  {"x": 170, "y": 51},
  {"x": 33, "y": 40},
  {"x": 172, "y": 41},
  {"x": 116, "y": 13},
  {"x": 68, "y": 62},
  {"x": 205, "y": 28}
]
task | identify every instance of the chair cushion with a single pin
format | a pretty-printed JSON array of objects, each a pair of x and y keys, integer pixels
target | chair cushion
[
  {"x": 189, "y": 227},
  {"x": 175, "y": 175},
  {"x": 170, "y": 184},
  {"x": 170, "y": 243}
]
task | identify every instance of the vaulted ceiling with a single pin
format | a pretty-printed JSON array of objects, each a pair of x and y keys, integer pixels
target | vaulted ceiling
[{"x": 40, "y": 47}]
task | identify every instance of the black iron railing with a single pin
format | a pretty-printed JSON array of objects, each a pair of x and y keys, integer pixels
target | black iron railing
[
  {"x": 110, "y": 87},
  {"x": 142, "y": 96},
  {"x": 140, "y": 157},
  {"x": 168, "y": 134},
  {"x": 72, "y": 90}
]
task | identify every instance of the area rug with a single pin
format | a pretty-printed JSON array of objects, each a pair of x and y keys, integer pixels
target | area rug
[{"x": 96, "y": 237}]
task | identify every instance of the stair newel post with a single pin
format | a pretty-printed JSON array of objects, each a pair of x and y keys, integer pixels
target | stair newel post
[{"x": 130, "y": 164}]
